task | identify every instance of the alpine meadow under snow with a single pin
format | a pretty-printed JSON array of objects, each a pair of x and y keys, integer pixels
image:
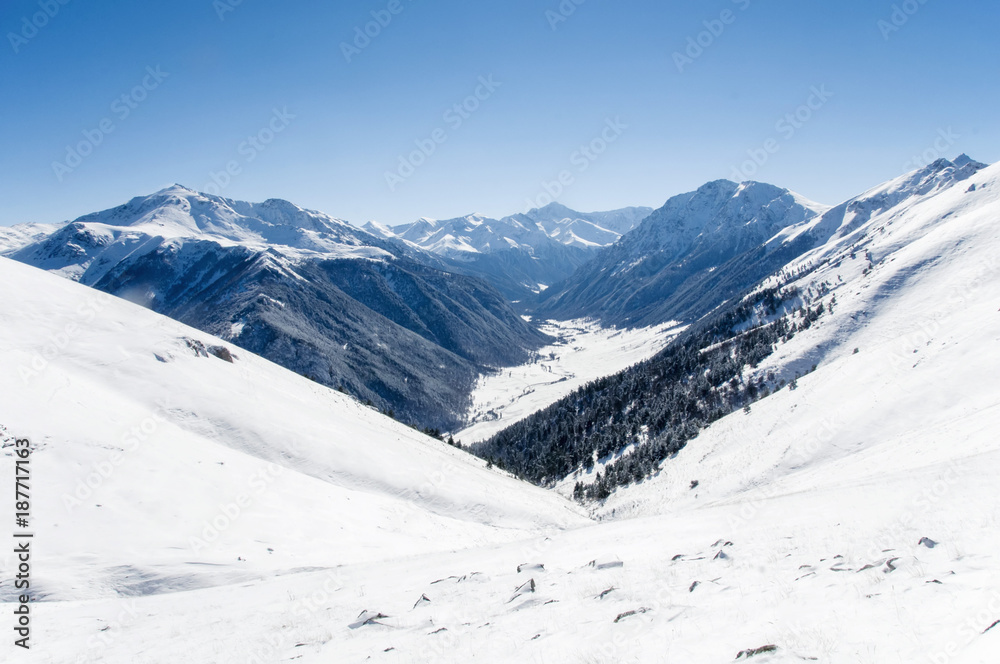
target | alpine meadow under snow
[{"x": 832, "y": 499}]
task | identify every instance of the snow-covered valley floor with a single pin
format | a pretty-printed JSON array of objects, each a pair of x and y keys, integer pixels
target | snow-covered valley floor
[{"x": 584, "y": 351}]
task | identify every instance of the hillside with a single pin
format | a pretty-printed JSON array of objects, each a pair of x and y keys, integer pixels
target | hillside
[
  {"x": 308, "y": 291},
  {"x": 623, "y": 426},
  {"x": 165, "y": 459}
]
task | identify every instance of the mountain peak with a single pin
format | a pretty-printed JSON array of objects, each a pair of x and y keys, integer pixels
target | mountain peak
[
  {"x": 722, "y": 183},
  {"x": 378, "y": 229},
  {"x": 176, "y": 189},
  {"x": 940, "y": 173},
  {"x": 963, "y": 163},
  {"x": 938, "y": 165},
  {"x": 281, "y": 205},
  {"x": 963, "y": 160},
  {"x": 753, "y": 186},
  {"x": 555, "y": 208}
]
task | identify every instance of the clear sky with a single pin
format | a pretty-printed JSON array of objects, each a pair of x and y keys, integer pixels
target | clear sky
[{"x": 269, "y": 89}]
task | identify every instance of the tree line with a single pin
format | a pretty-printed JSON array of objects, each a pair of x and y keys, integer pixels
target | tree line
[{"x": 654, "y": 408}]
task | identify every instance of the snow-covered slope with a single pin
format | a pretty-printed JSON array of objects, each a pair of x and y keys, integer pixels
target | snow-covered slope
[
  {"x": 906, "y": 359},
  {"x": 159, "y": 465},
  {"x": 87, "y": 248}
]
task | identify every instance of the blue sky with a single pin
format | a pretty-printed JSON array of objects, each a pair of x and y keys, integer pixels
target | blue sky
[{"x": 267, "y": 89}]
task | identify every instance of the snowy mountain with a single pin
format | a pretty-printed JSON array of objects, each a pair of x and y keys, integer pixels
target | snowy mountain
[
  {"x": 86, "y": 249},
  {"x": 520, "y": 254},
  {"x": 652, "y": 411},
  {"x": 310, "y": 292},
  {"x": 909, "y": 296},
  {"x": 842, "y": 220},
  {"x": 706, "y": 246},
  {"x": 849, "y": 515},
  {"x": 683, "y": 259},
  {"x": 12, "y": 237}
]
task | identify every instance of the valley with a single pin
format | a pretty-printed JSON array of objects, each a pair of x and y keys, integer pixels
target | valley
[
  {"x": 584, "y": 351},
  {"x": 282, "y": 520},
  {"x": 500, "y": 333}
]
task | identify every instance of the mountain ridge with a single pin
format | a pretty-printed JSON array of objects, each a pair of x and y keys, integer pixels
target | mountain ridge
[
  {"x": 688, "y": 245},
  {"x": 521, "y": 254},
  {"x": 720, "y": 240},
  {"x": 306, "y": 290}
]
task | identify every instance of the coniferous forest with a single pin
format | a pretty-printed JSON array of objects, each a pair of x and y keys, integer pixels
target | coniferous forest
[{"x": 655, "y": 407}]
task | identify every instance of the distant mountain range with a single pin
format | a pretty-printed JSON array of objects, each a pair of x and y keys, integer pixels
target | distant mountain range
[{"x": 521, "y": 254}]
